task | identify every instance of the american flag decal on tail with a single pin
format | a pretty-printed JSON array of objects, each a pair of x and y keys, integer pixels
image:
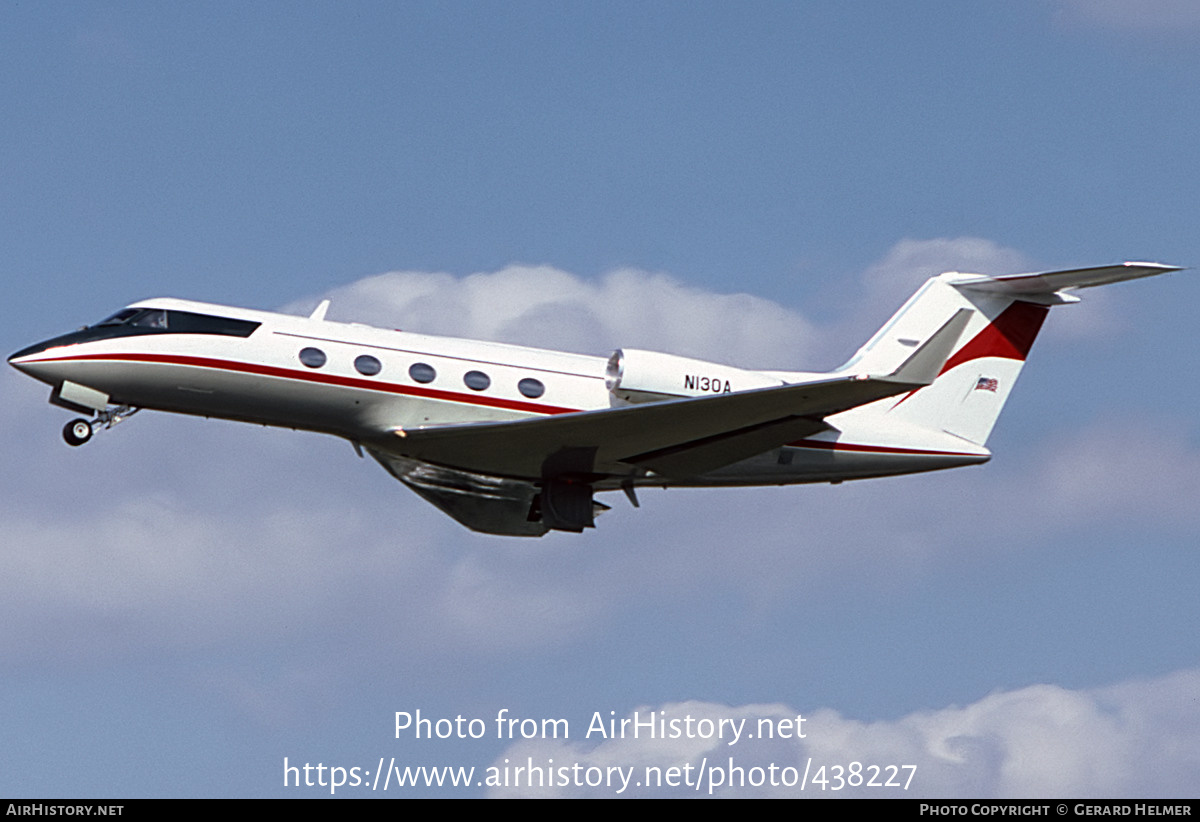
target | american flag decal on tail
[{"x": 987, "y": 384}]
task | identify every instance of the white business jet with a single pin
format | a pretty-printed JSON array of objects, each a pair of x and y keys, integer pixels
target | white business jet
[{"x": 517, "y": 441}]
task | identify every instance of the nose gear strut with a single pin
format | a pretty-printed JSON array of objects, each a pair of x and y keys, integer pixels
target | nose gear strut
[{"x": 79, "y": 431}]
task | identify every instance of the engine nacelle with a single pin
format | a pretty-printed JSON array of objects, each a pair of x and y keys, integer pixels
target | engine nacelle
[{"x": 648, "y": 376}]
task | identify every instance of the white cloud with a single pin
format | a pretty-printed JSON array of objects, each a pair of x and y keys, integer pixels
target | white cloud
[
  {"x": 1137, "y": 739},
  {"x": 1142, "y": 16},
  {"x": 1116, "y": 469},
  {"x": 910, "y": 262},
  {"x": 549, "y": 308},
  {"x": 261, "y": 540}
]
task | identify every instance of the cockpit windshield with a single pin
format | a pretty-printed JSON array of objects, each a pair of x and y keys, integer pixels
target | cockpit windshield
[
  {"x": 119, "y": 318},
  {"x": 139, "y": 318},
  {"x": 180, "y": 322}
]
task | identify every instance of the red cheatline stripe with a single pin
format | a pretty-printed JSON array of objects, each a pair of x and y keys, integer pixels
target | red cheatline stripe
[
  {"x": 877, "y": 449},
  {"x": 326, "y": 379},
  {"x": 430, "y": 393}
]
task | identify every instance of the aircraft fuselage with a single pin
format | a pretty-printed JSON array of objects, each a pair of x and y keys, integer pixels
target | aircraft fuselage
[{"x": 364, "y": 383}]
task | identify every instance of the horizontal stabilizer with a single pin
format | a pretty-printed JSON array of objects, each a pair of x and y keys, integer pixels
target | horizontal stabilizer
[{"x": 1049, "y": 282}]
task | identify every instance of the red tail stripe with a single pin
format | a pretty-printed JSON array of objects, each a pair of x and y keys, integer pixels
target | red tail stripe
[{"x": 1009, "y": 336}]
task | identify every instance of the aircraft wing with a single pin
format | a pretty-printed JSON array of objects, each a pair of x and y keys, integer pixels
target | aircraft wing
[
  {"x": 599, "y": 442},
  {"x": 676, "y": 437}
]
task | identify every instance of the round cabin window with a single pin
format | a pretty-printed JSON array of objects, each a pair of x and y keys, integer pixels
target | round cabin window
[
  {"x": 367, "y": 365},
  {"x": 531, "y": 388},
  {"x": 422, "y": 372},
  {"x": 477, "y": 380},
  {"x": 312, "y": 357}
]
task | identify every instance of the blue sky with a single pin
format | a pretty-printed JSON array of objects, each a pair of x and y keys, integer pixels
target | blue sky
[{"x": 185, "y": 603}]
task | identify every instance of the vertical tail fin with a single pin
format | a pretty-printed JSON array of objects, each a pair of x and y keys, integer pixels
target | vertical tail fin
[{"x": 970, "y": 391}]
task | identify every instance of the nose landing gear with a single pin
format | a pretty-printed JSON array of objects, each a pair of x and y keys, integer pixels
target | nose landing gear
[{"x": 79, "y": 431}]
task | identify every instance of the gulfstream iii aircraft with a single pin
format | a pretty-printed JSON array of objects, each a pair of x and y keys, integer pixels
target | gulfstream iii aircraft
[{"x": 518, "y": 441}]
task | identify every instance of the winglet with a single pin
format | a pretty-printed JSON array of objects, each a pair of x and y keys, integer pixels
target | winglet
[{"x": 924, "y": 365}]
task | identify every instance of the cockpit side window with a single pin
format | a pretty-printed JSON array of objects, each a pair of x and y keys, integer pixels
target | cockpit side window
[{"x": 187, "y": 322}]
